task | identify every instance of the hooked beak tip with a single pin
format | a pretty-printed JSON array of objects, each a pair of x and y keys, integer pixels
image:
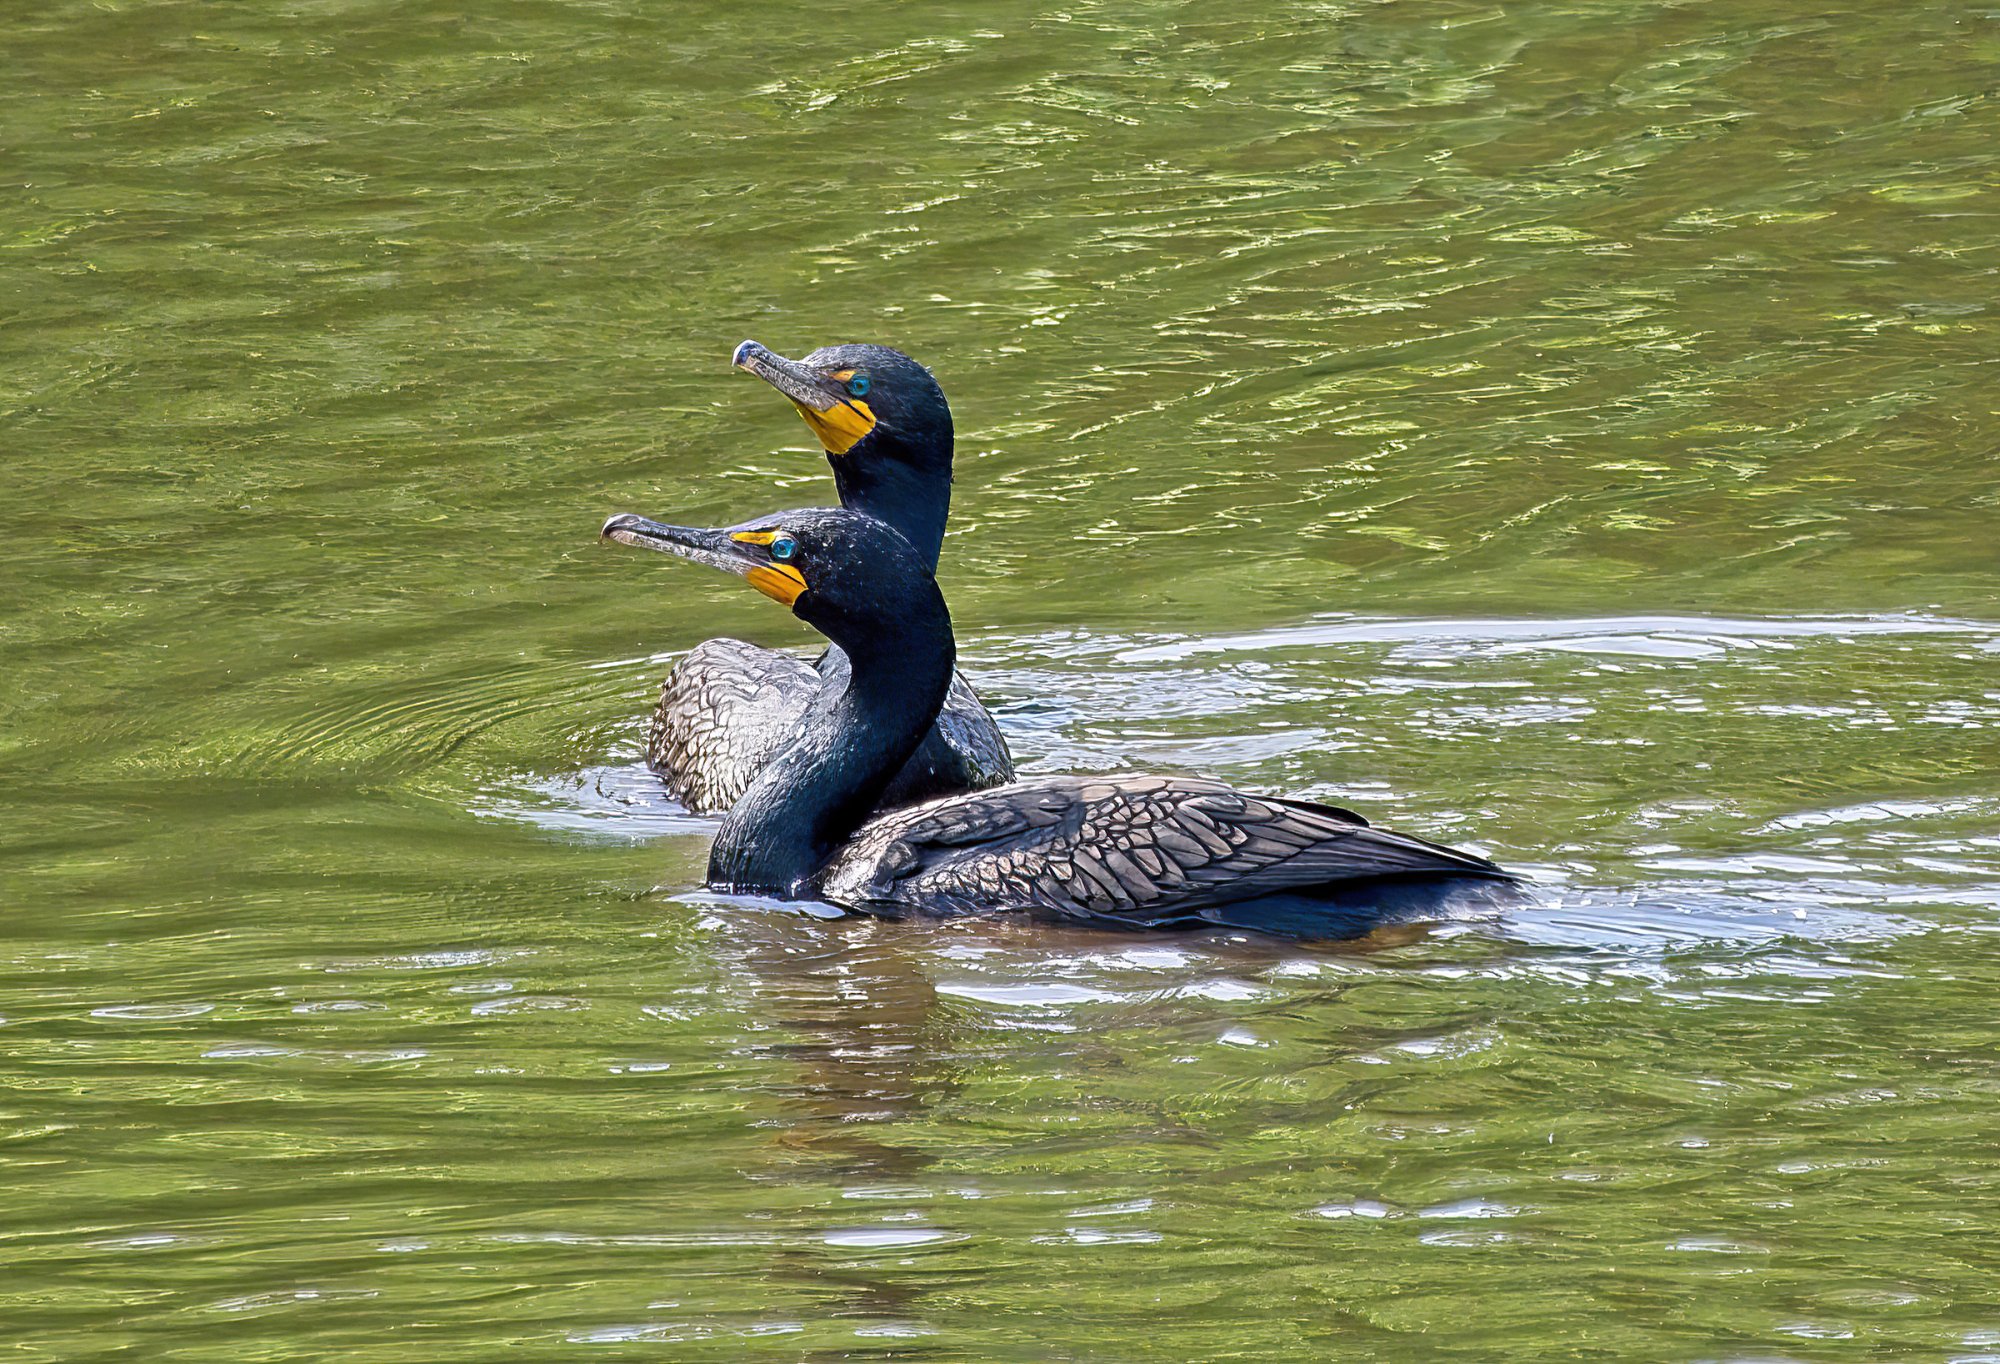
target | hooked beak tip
[
  {"x": 622, "y": 521},
  {"x": 740, "y": 359}
]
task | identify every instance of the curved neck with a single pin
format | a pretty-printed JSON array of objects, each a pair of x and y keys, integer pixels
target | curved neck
[
  {"x": 861, "y": 728},
  {"x": 914, "y": 496}
]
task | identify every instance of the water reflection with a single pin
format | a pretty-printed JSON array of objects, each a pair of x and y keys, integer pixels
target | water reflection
[
  {"x": 883, "y": 1031},
  {"x": 864, "y": 1056}
]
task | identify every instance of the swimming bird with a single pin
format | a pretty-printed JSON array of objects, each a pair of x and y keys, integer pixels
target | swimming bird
[
  {"x": 728, "y": 707},
  {"x": 1130, "y": 851}
]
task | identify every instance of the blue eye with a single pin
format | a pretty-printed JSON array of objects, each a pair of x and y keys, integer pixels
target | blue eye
[
  {"x": 858, "y": 386},
  {"x": 784, "y": 547}
]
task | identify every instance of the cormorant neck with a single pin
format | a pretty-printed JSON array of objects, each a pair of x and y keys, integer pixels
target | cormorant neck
[
  {"x": 861, "y": 728},
  {"x": 911, "y": 494}
]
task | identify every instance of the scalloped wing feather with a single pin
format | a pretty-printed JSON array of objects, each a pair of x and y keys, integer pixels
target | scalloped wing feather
[
  {"x": 728, "y": 707},
  {"x": 1130, "y": 850}
]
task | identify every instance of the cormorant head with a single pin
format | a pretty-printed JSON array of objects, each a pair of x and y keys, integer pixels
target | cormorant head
[
  {"x": 851, "y": 577},
  {"x": 863, "y": 402},
  {"x": 884, "y": 424}
]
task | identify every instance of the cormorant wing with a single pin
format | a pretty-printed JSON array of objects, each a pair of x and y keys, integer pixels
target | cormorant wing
[
  {"x": 969, "y": 730},
  {"x": 727, "y": 709},
  {"x": 1131, "y": 850}
]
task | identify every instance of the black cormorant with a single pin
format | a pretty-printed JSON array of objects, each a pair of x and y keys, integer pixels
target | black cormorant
[
  {"x": 728, "y": 707},
  {"x": 1124, "y": 851}
]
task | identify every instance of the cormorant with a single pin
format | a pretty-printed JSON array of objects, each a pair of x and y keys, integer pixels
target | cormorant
[
  {"x": 728, "y": 707},
  {"x": 1123, "y": 851}
]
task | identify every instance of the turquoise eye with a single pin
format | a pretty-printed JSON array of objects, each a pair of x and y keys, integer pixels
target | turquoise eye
[
  {"x": 783, "y": 548},
  {"x": 858, "y": 386}
]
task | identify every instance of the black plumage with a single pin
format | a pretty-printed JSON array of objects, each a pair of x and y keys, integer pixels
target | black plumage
[
  {"x": 727, "y": 707},
  {"x": 1137, "y": 851}
]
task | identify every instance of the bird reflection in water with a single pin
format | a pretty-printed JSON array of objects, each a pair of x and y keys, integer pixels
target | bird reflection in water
[{"x": 877, "y": 1053}]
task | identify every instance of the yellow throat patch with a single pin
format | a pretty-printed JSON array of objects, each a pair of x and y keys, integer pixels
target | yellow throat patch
[
  {"x": 778, "y": 582},
  {"x": 841, "y": 427}
]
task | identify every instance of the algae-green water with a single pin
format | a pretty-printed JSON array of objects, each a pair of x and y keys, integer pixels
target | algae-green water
[{"x": 1569, "y": 430}]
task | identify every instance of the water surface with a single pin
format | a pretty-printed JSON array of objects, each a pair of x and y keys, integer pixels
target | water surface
[{"x": 1565, "y": 429}]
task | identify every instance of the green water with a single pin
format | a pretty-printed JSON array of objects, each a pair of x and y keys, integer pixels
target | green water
[{"x": 1568, "y": 429}]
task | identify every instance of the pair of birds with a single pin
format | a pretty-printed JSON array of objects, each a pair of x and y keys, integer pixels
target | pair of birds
[{"x": 875, "y": 780}]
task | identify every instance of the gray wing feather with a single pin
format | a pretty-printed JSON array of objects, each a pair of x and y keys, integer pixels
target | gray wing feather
[
  {"x": 969, "y": 729},
  {"x": 726, "y": 709},
  {"x": 1134, "y": 849}
]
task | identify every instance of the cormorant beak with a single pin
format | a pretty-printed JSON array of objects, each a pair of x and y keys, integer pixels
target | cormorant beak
[
  {"x": 744, "y": 552},
  {"x": 840, "y": 420}
]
